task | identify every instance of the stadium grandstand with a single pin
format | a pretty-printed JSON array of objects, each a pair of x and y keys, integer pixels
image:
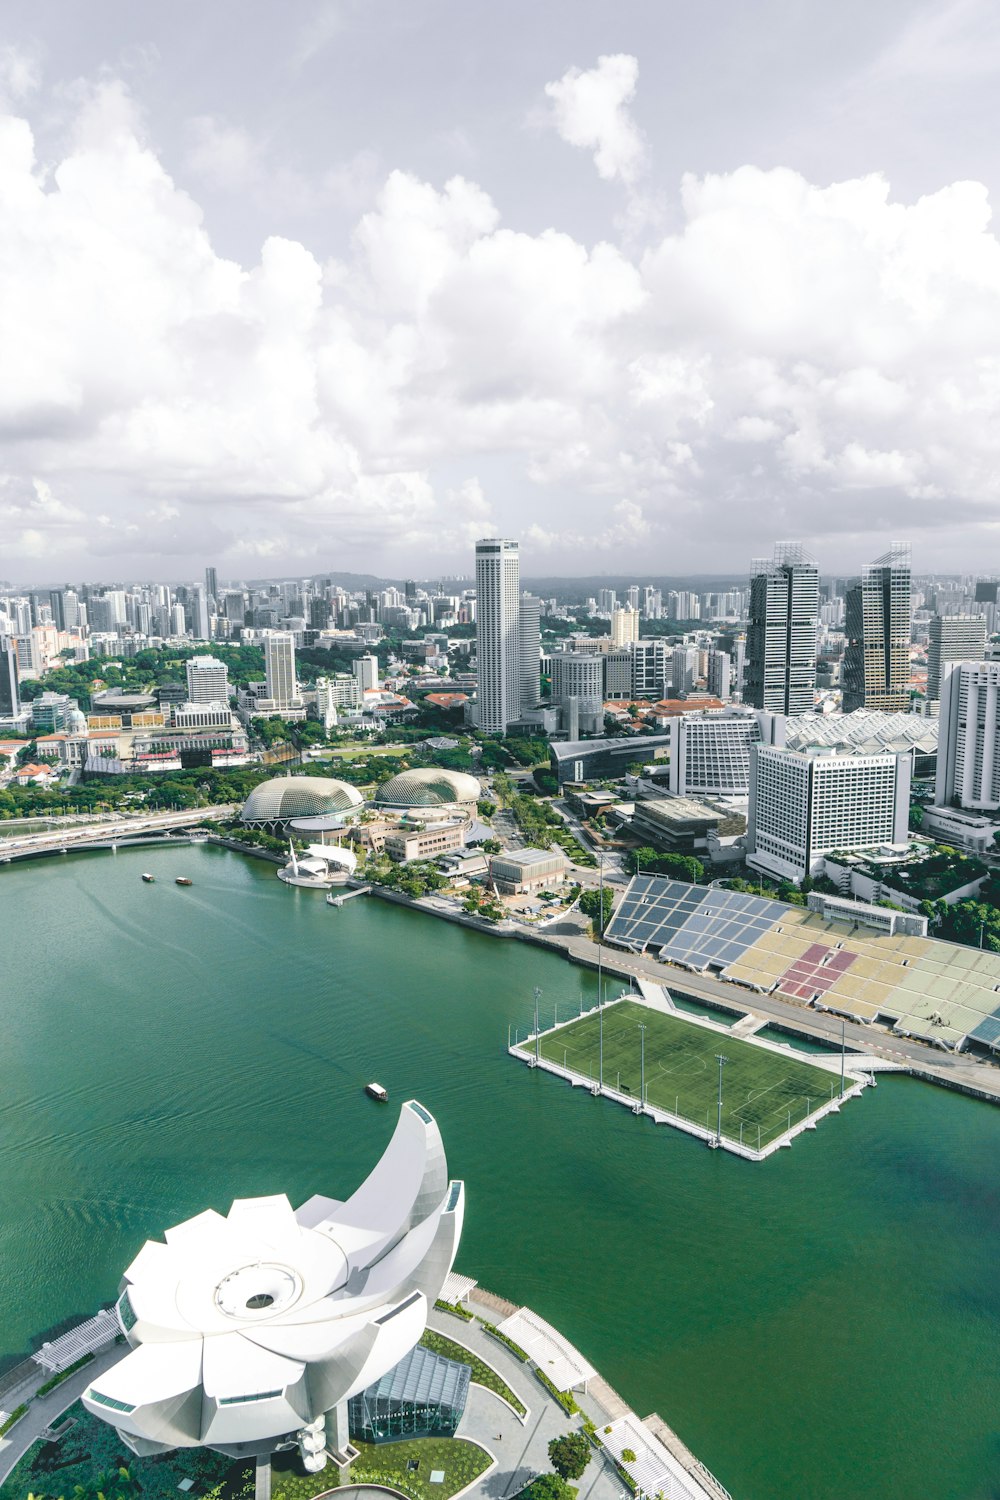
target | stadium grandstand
[{"x": 831, "y": 958}]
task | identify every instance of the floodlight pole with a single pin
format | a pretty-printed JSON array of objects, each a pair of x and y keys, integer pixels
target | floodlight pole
[
  {"x": 642, "y": 1062},
  {"x": 600, "y": 934},
  {"x": 721, "y": 1059},
  {"x": 537, "y": 996},
  {"x": 600, "y": 1013},
  {"x": 843, "y": 1054}
]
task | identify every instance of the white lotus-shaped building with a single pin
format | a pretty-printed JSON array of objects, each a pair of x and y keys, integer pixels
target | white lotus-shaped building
[{"x": 249, "y": 1330}]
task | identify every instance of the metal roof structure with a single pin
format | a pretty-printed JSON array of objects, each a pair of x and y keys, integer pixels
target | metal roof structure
[{"x": 553, "y": 1354}]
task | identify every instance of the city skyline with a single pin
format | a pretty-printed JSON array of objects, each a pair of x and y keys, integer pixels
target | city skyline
[{"x": 565, "y": 289}]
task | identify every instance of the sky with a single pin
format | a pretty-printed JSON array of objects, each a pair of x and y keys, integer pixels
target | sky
[{"x": 347, "y": 284}]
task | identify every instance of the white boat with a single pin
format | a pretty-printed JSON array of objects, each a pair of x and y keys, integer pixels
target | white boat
[{"x": 376, "y": 1091}]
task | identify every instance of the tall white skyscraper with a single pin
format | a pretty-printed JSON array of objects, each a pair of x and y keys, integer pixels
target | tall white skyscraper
[
  {"x": 968, "y": 759},
  {"x": 530, "y": 648},
  {"x": 279, "y": 667},
  {"x": 366, "y": 673},
  {"x": 952, "y": 638},
  {"x": 498, "y": 634},
  {"x": 207, "y": 680}
]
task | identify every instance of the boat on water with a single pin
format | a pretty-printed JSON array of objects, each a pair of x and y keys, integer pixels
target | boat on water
[
  {"x": 147, "y": 877},
  {"x": 376, "y": 1091},
  {"x": 183, "y": 880}
]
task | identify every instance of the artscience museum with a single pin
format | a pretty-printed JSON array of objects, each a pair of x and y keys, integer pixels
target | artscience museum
[{"x": 253, "y": 1330}]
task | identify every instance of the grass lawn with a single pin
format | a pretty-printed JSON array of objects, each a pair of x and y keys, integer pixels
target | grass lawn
[
  {"x": 759, "y": 1088},
  {"x": 389, "y": 1463}
]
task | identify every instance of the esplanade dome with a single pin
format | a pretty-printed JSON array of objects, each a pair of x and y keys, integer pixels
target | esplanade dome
[
  {"x": 285, "y": 797},
  {"x": 429, "y": 786}
]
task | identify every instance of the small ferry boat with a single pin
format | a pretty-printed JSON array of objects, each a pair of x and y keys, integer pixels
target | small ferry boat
[
  {"x": 376, "y": 1091},
  {"x": 183, "y": 880},
  {"x": 147, "y": 877}
]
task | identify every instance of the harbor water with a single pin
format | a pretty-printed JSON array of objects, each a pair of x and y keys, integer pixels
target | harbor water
[{"x": 823, "y": 1326}]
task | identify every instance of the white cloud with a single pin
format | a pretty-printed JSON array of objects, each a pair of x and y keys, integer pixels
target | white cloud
[
  {"x": 20, "y": 74},
  {"x": 223, "y": 153},
  {"x": 789, "y": 351},
  {"x": 590, "y": 109}
]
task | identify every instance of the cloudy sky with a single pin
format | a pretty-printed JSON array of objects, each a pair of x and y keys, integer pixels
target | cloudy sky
[{"x": 647, "y": 284}]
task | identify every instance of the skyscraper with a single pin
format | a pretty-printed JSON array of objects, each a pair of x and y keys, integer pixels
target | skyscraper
[
  {"x": 624, "y": 626},
  {"x": 10, "y": 703},
  {"x": 952, "y": 638},
  {"x": 877, "y": 622},
  {"x": 530, "y": 649},
  {"x": 968, "y": 760},
  {"x": 207, "y": 680},
  {"x": 498, "y": 634},
  {"x": 199, "y": 613},
  {"x": 279, "y": 667},
  {"x": 781, "y": 633},
  {"x": 212, "y": 585}
]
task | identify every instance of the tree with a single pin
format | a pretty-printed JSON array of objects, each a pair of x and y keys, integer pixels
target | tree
[
  {"x": 628, "y": 1455},
  {"x": 549, "y": 1487},
  {"x": 916, "y": 815},
  {"x": 569, "y": 1455},
  {"x": 492, "y": 846},
  {"x": 590, "y": 905}
]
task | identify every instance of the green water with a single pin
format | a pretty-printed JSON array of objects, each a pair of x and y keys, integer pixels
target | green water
[{"x": 819, "y": 1327}]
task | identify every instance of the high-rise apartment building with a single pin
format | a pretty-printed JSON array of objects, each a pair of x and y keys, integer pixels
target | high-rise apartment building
[
  {"x": 279, "y": 668},
  {"x": 805, "y": 804},
  {"x": 683, "y": 670},
  {"x": 877, "y": 623},
  {"x": 624, "y": 626},
  {"x": 952, "y": 638},
  {"x": 498, "y": 634},
  {"x": 207, "y": 680},
  {"x": 530, "y": 649},
  {"x": 968, "y": 759},
  {"x": 607, "y": 602},
  {"x": 781, "y": 633}
]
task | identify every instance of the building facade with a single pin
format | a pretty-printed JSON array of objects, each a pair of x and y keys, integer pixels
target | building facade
[
  {"x": 952, "y": 638},
  {"x": 498, "y": 634},
  {"x": 781, "y": 633},
  {"x": 530, "y": 649},
  {"x": 624, "y": 626},
  {"x": 520, "y": 871},
  {"x": 805, "y": 804},
  {"x": 710, "y": 753},
  {"x": 578, "y": 689},
  {"x": 968, "y": 763},
  {"x": 207, "y": 680},
  {"x": 279, "y": 670},
  {"x": 877, "y": 623}
]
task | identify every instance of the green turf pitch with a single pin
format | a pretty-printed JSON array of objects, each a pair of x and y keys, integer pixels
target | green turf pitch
[{"x": 759, "y": 1087}]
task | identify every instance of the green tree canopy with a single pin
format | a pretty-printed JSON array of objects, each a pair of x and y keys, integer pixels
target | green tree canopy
[{"x": 569, "y": 1455}]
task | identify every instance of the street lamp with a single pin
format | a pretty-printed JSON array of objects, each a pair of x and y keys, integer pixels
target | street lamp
[
  {"x": 721, "y": 1059},
  {"x": 537, "y": 998}
]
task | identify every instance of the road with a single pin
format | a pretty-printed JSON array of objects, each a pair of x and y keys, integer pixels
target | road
[{"x": 117, "y": 828}]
